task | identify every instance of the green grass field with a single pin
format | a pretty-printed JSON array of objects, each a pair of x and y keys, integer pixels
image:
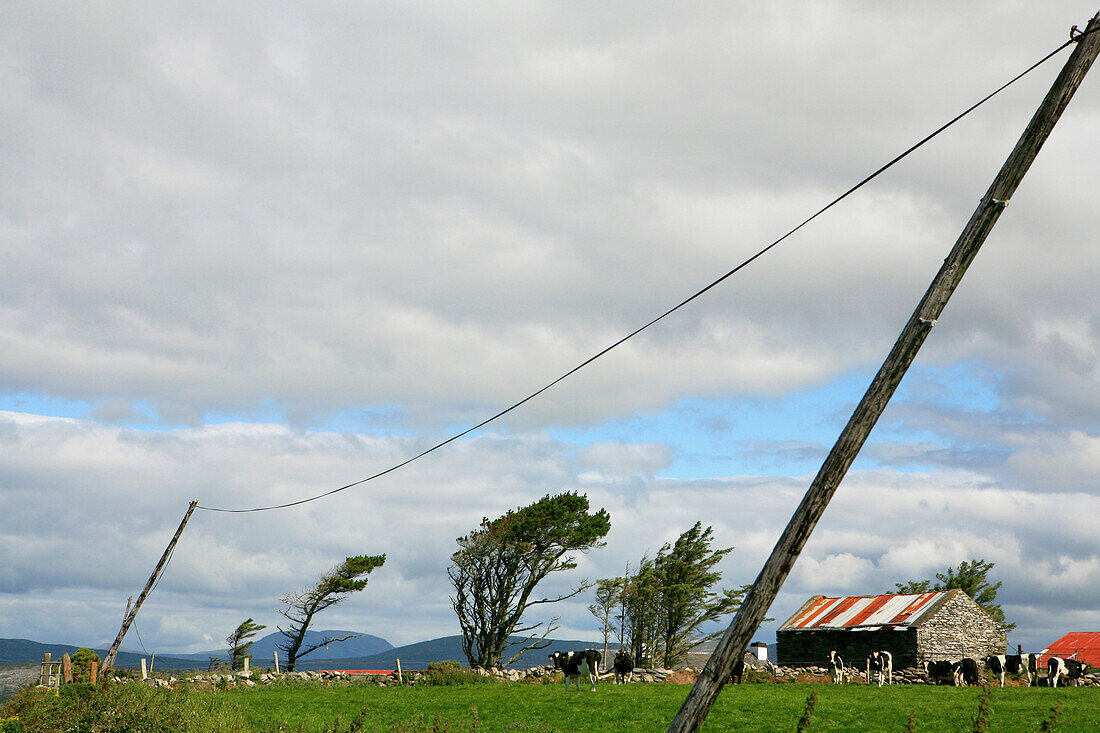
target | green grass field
[
  {"x": 764, "y": 708},
  {"x": 344, "y": 707}
]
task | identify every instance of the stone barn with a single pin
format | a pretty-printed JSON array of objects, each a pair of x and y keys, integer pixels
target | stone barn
[{"x": 914, "y": 628}]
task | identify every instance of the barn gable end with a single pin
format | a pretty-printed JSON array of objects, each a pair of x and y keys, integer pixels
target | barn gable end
[
  {"x": 912, "y": 627},
  {"x": 960, "y": 628}
]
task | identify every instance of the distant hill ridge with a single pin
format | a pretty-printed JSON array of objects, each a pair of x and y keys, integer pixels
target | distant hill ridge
[
  {"x": 264, "y": 648},
  {"x": 412, "y": 656}
]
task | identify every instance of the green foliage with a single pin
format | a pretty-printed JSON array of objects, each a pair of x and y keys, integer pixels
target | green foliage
[
  {"x": 123, "y": 708},
  {"x": 82, "y": 690},
  {"x": 83, "y": 660},
  {"x": 671, "y": 596},
  {"x": 981, "y": 720},
  {"x": 807, "y": 713},
  {"x": 608, "y": 593},
  {"x": 449, "y": 673},
  {"x": 350, "y": 576},
  {"x": 497, "y": 567},
  {"x": 971, "y": 577},
  {"x": 913, "y": 587},
  {"x": 756, "y": 677},
  {"x": 239, "y": 643}
]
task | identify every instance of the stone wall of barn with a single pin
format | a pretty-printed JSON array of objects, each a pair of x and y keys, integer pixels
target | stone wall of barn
[
  {"x": 805, "y": 648},
  {"x": 960, "y": 629}
]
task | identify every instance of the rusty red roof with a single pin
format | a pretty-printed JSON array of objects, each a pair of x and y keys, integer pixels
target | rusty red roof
[
  {"x": 1086, "y": 644},
  {"x": 854, "y": 612}
]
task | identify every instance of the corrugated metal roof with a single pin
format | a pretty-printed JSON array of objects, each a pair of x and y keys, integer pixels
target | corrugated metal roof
[
  {"x": 853, "y": 612},
  {"x": 1085, "y": 643}
]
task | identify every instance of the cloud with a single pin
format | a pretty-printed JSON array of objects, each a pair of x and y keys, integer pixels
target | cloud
[
  {"x": 296, "y": 248},
  {"x": 324, "y": 214}
]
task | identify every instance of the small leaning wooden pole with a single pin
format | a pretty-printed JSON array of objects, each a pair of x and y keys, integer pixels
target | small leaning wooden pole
[
  {"x": 109, "y": 660},
  {"x": 756, "y": 603}
]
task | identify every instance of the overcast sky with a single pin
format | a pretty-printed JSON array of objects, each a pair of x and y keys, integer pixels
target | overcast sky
[{"x": 250, "y": 253}]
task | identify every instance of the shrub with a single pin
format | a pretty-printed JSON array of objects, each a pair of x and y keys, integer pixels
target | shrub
[
  {"x": 83, "y": 659},
  {"x": 450, "y": 672},
  {"x": 130, "y": 707},
  {"x": 757, "y": 677}
]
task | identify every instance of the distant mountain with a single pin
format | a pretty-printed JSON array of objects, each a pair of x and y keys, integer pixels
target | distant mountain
[
  {"x": 263, "y": 649},
  {"x": 412, "y": 656},
  {"x": 417, "y": 656},
  {"x": 25, "y": 651}
]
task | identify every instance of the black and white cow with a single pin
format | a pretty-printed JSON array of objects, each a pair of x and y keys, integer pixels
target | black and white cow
[
  {"x": 881, "y": 665},
  {"x": 940, "y": 672},
  {"x": 575, "y": 664},
  {"x": 997, "y": 664},
  {"x": 1025, "y": 663},
  {"x": 836, "y": 668},
  {"x": 1075, "y": 670},
  {"x": 1056, "y": 667},
  {"x": 1072, "y": 669},
  {"x": 624, "y": 667},
  {"x": 966, "y": 672}
]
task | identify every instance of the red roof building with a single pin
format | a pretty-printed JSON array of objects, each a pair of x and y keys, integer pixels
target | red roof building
[
  {"x": 913, "y": 627},
  {"x": 1085, "y": 644}
]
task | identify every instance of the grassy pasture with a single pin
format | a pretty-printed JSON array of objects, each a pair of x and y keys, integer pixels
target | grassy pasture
[
  {"x": 748, "y": 708},
  {"x": 318, "y": 708}
]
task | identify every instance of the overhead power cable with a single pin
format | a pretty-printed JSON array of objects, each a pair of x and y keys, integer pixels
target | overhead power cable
[{"x": 1074, "y": 37}]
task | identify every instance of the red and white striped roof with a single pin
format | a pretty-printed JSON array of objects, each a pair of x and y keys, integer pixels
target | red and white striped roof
[{"x": 862, "y": 611}]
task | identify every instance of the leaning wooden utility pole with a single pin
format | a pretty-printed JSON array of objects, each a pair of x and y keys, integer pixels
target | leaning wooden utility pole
[
  {"x": 763, "y": 592},
  {"x": 109, "y": 660}
]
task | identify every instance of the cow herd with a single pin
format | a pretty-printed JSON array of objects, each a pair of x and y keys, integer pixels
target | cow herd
[
  {"x": 586, "y": 663},
  {"x": 880, "y": 669},
  {"x": 966, "y": 671}
]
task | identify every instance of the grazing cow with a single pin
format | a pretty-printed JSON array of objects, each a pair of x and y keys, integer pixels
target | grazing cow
[
  {"x": 1056, "y": 667},
  {"x": 997, "y": 664},
  {"x": 738, "y": 671},
  {"x": 1075, "y": 670},
  {"x": 836, "y": 668},
  {"x": 575, "y": 664},
  {"x": 1072, "y": 669},
  {"x": 624, "y": 667},
  {"x": 940, "y": 672},
  {"x": 1026, "y": 663},
  {"x": 882, "y": 665},
  {"x": 966, "y": 672}
]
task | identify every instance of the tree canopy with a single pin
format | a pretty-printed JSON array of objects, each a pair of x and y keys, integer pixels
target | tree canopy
[
  {"x": 666, "y": 601},
  {"x": 497, "y": 567},
  {"x": 334, "y": 587},
  {"x": 971, "y": 578},
  {"x": 240, "y": 641}
]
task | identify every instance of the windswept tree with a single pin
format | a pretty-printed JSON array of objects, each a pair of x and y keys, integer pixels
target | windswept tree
[
  {"x": 607, "y": 600},
  {"x": 333, "y": 588},
  {"x": 686, "y": 597},
  {"x": 971, "y": 578},
  {"x": 666, "y": 602},
  {"x": 240, "y": 642},
  {"x": 497, "y": 567}
]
